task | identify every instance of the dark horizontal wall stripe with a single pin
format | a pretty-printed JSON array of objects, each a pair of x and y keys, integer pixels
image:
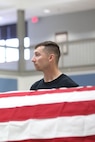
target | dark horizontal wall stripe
[
  {"x": 7, "y": 84},
  {"x": 84, "y": 79}
]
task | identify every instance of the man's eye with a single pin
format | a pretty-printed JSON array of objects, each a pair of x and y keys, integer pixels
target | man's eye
[{"x": 37, "y": 54}]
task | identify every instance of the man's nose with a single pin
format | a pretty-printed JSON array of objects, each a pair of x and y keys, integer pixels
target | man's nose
[{"x": 33, "y": 59}]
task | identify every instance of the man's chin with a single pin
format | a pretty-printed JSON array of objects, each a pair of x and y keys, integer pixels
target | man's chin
[{"x": 38, "y": 69}]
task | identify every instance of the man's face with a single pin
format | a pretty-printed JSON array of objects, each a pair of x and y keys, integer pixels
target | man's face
[{"x": 40, "y": 59}]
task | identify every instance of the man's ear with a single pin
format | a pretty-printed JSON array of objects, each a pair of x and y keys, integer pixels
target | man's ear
[{"x": 51, "y": 57}]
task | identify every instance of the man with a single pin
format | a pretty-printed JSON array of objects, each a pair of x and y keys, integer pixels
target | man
[{"x": 45, "y": 59}]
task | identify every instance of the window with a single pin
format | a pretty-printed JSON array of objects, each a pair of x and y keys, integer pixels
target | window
[
  {"x": 2, "y": 55},
  {"x": 2, "y": 51},
  {"x": 12, "y": 54},
  {"x": 26, "y": 50},
  {"x": 26, "y": 54},
  {"x": 62, "y": 39},
  {"x": 12, "y": 42},
  {"x": 10, "y": 31},
  {"x": 9, "y": 50},
  {"x": 26, "y": 42}
]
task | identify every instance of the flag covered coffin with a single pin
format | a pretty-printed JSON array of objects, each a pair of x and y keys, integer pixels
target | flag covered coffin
[{"x": 56, "y": 115}]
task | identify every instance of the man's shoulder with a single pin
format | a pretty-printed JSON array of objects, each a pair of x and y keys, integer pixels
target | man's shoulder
[
  {"x": 34, "y": 86},
  {"x": 37, "y": 82},
  {"x": 64, "y": 77},
  {"x": 68, "y": 81}
]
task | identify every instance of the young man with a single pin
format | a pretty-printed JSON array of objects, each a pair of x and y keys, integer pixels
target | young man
[{"x": 45, "y": 59}]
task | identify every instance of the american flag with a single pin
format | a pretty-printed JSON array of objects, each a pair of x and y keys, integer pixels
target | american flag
[{"x": 56, "y": 115}]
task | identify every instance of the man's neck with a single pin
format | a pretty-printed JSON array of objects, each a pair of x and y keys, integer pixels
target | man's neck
[{"x": 50, "y": 76}]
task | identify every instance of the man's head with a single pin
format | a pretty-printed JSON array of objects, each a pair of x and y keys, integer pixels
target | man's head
[
  {"x": 50, "y": 47},
  {"x": 45, "y": 53}
]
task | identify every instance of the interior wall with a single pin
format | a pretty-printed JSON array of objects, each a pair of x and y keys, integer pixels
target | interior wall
[
  {"x": 22, "y": 83},
  {"x": 79, "y": 25},
  {"x": 83, "y": 79},
  {"x": 25, "y": 82}
]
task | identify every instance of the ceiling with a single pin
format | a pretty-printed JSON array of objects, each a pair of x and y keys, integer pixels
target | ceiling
[{"x": 8, "y": 8}]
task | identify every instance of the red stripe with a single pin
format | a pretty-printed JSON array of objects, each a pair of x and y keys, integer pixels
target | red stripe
[
  {"x": 67, "y": 139},
  {"x": 47, "y": 111},
  {"x": 51, "y": 91}
]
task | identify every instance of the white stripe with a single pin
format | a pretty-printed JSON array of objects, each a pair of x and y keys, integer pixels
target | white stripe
[
  {"x": 48, "y": 128},
  {"x": 9, "y": 102}
]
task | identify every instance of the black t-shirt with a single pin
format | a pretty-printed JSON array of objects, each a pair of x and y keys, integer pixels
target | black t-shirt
[{"x": 62, "y": 81}]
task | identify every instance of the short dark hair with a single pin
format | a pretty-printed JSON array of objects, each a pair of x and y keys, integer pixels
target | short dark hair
[{"x": 51, "y": 47}]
